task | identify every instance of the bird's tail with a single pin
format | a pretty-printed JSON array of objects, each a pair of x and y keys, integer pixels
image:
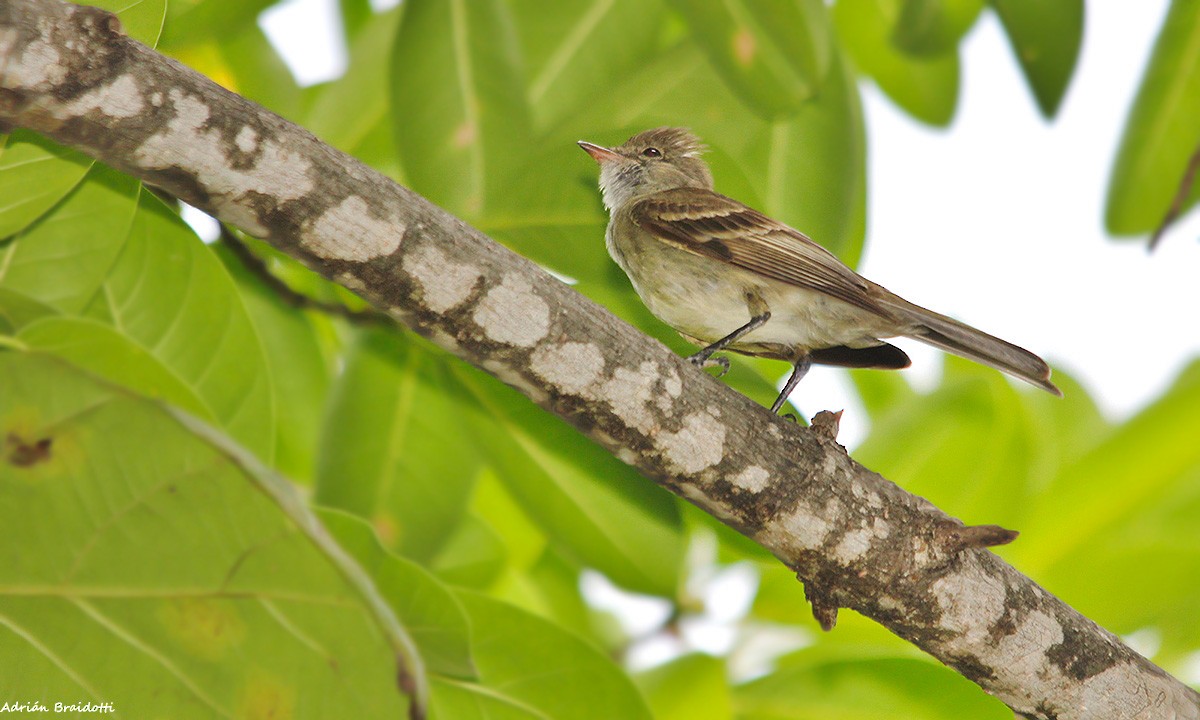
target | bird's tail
[{"x": 965, "y": 341}]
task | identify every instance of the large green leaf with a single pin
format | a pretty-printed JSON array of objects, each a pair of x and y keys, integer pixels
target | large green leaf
[
  {"x": 434, "y": 617},
  {"x": 1046, "y": 36},
  {"x": 775, "y": 55},
  {"x": 63, "y": 260},
  {"x": 1162, "y": 133},
  {"x": 299, "y": 371},
  {"x": 168, "y": 293},
  {"x": 150, "y": 563},
  {"x": 396, "y": 447},
  {"x": 115, "y": 253},
  {"x": 924, "y": 87},
  {"x": 108, "y": 354},
  {"x": 576, "y": 49},
  {"x": 529, "y": 669},
  {"x": 934, "y": 27},
  {"x": 596, "y": 508},
  {"x": 460, "y": 118},
  {"x": 34, "y": 175}
]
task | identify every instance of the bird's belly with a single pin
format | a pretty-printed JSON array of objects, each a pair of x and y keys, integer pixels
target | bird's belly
[{"x": 706, "y": 299}]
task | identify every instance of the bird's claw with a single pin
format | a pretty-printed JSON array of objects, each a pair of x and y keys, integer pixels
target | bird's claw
[{"x": 704, "y": 362}]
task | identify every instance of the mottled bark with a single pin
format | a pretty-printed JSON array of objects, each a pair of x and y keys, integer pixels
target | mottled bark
[{"x": 857, "y": 540}]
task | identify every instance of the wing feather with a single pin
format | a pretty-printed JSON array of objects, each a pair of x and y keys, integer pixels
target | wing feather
[{"x": 710, "y": 224}]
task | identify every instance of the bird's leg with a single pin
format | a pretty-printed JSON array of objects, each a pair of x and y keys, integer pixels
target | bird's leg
[
  {"x": 702, "y": 358},
  {"x": 798, "y": 372}
]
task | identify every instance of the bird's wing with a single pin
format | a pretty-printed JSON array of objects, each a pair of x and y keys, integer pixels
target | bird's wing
[{"x": 718, "y": 227}]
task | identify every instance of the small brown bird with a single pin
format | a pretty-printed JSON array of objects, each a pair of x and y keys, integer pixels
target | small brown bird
[{"x": 727, "y": 277}]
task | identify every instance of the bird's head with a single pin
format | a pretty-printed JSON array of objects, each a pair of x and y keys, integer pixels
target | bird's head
[{"x": 652, "y": 161}]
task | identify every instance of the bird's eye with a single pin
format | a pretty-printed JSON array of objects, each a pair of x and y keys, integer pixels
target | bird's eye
[{"x": 652, "y": 152}]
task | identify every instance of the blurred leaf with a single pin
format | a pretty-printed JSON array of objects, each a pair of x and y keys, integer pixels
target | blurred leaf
[
  {"x": 299, "y": 371},
  {"x": 18, "y": 310},
  {"x": 63, "y": 260},
  {"x": 692, "y": 687},
  {"x": 431, "y": 612},
  {"x": 187, "y": 582},
  {"x": 934, "y": 27},
  {"x": 473, "y": 556},
  {"x": 34, "y": 175},
  {"x": 972, "y": 447},
  {"x": 1161, "y": 133},
  {"x": 596, "y": 508},
  {"x": 1115, "y": 535},
  {"x": 460, "y": 119},
  {"x": 258, "y": 71},
  {"x": 863, "y": 689},
  {"x": 356, "y": 15},
  {"x": 523, "y": 539},
  {"x": 191, "y": 21},
  {"x": 395, "y": 448},
  {"x": 530, "y": 669},
  {"x": 1046, "y": 36},
  {"x": 926, "y": 88},
  {"x": 363, "y": 87},
  {"x": 775, "y": 55},
  {"x": 576, "y": 49}
]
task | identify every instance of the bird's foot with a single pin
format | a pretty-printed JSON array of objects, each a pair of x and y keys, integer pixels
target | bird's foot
[{"x": 702, "y": 360}]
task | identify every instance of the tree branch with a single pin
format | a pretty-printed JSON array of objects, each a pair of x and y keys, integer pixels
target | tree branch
[{"x": 855, "y": 539}]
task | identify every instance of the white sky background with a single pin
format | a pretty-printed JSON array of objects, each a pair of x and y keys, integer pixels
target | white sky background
[{"x": 996, "y": 220}]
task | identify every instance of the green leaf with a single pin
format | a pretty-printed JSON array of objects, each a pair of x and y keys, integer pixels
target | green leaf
[
  {"x": 1046, "y": 36},
  {"x": 599, "y": 510},
  {"x": 18, "y": 310},
  {"x": 395, "y": 447},
  {"x": 430, "y": 611},
  {"x": 693, "y": 687},
  {"x": 141, "y": 20},
  {"x": 190, "y": 21},
  {"x": 1116, "y": 530},
  {"x": 62, "y": 260},
  {"x": 362, "y": 87},
  {"x": 258, "y": 71},
  {"x": 170, "y": 295},
  {"x": 924, "y": 87},
  {"x": 299, "y": 371},
  {"x": 775, "y": 55},
  {"x": 153, "y": 564},
  {"x": 108, "y": 354},
  {"x": 472, "y": 557},
  {"x": 863, "y": 689},
  {"x": 460, "y": 118},
  {"x": 35, "y": 174},
  {"x": 973, "y": 446},
  {"x": 576, "y": 49},
  {"x": 1161, "y": 133},
  {"x": 533, "y": 670},
  {"x": 934, "y": 27}
]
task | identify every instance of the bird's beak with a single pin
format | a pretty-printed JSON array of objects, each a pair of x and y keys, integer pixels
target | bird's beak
[{"x": 599, "y": 154}]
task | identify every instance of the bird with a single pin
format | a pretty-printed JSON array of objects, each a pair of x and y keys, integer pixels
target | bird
[{"x": 729, "y": 278}]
